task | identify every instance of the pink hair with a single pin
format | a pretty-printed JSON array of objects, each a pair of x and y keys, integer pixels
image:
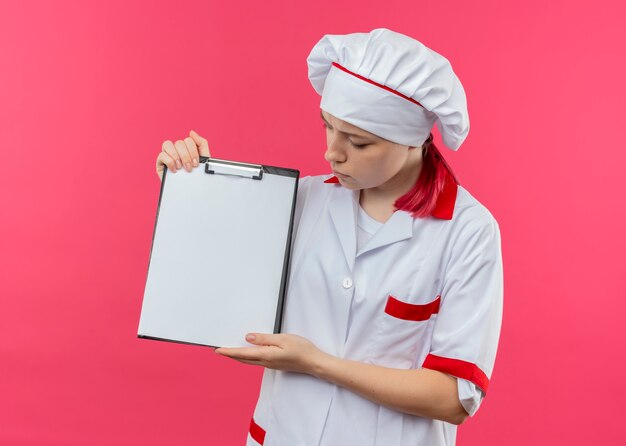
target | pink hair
[{"x": 421, "y": 200}]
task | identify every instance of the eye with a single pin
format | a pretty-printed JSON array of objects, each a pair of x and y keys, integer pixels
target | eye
[{"x": 358, "y": 146}]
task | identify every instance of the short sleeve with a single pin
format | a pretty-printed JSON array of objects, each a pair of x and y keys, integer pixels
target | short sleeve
[
  {"x": 470, "y": 396},
  {"x": 467, "y": 328}
]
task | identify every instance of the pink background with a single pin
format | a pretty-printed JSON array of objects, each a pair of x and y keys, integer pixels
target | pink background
[{"x": 90, "y": 90}]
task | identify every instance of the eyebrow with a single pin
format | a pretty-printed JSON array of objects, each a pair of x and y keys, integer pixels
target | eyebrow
[{"x": 345, "y": 133}]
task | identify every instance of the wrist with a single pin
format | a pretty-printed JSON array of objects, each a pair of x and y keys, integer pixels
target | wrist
[{"x": 322, "y": 365}]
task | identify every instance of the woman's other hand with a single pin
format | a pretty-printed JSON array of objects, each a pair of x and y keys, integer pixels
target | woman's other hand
[
  {"x": 182, "y": 153},
  {"x": 278, "y": 351},
  {"x": 422, "y": 392}
]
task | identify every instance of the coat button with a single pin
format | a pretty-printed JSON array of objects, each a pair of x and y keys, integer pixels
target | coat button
[{"x": 347, "y": 283}]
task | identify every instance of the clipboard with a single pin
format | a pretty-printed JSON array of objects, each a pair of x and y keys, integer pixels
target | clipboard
[{"x": 219, "y": 260}]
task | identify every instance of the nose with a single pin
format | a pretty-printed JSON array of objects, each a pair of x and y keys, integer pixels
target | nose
[{"x": 334, "y": 150}]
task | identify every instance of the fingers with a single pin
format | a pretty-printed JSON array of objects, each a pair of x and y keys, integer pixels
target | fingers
[
  {"x": 252, "y": 353},
  {"x": 201, "y": 143},
  {"x": 168, "y": 147},
  {"x": 168, "y": 157},
  {"x": 182, "y": 153},
  {"x": 243, "y": 353},
  {"x": 193, "y": 150},
  {"x": 164, "y": 160},
  {"x": 244, "y": 361},
  {"x": 264, "y": 339}
]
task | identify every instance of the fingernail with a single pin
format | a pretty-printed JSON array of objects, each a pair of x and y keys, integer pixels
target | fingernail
[
  {"x": 188, "y": 166},
  {"x": 250, "y": 337},
  {"x": 195, "y": 162},
  {"x": 178, "y": 164}
]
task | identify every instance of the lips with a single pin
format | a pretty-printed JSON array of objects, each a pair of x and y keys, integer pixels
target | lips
[{"x": 340, "y": 175}]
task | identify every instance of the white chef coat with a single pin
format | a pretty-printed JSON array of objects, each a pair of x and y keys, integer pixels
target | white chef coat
[
  {"x": 421, "y": 292},
  {"x": 470, "y": 394}
]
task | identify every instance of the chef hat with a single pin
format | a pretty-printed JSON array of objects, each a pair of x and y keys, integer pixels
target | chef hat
[{"x": 390, "y": 85}]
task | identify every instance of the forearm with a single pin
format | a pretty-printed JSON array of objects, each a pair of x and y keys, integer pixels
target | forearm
[{"x": 421, "y": 392}]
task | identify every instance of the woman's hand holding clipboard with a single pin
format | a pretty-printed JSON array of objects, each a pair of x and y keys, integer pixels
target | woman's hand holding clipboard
[{"x": 182, "y": 153}]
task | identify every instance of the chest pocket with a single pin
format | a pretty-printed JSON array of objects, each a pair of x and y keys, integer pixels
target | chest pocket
[{"x": 404, "y": 330}]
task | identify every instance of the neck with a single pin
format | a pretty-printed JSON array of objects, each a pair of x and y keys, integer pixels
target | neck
[
  {"x": 379, "y": 201},
  {"x": 399, "y": 184}
]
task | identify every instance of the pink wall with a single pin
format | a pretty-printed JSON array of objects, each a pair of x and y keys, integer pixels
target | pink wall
[{"x": 89, "y": 90}]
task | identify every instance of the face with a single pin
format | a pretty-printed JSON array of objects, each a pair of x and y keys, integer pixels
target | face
[{"x": 362, "y": 160}]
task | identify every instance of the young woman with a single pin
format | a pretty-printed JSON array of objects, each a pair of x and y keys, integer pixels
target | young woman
[{"x": 394, "y": 303}]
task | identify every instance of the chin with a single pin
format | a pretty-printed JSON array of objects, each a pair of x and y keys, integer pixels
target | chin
[{"x": 350, "y": 185}]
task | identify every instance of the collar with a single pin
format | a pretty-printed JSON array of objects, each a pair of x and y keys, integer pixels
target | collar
[{"x": 444, "y": 208}]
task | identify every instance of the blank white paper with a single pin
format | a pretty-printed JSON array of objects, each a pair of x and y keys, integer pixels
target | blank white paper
[{"x": 217, "y": 257}]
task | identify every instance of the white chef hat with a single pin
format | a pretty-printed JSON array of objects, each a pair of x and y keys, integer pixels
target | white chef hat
[{"x": 390, "y": 85}]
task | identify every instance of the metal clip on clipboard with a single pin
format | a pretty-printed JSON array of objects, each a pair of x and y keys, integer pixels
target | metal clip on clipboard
[{"x": 215, "y": 166}]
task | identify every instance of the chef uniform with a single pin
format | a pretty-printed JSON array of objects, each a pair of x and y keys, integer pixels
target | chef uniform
[{"x": 408, "y": 293}]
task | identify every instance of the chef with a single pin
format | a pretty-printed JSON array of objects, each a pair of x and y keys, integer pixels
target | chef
[{"x": 394, "y": 303}]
